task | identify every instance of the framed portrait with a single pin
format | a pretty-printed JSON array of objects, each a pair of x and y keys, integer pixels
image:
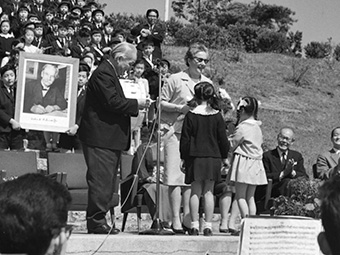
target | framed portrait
[{"x": 46, "y": 96}]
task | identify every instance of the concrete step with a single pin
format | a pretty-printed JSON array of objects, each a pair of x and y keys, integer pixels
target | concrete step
[{"x": 132, "y": 243}]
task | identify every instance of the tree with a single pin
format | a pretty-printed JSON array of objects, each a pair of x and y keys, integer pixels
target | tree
[
  {"x": 272, "y": 16},
  {"x": 197, "y": 11}
]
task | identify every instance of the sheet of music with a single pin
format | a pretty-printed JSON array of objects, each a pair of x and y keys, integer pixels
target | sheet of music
[{"x": 262, "y": 235}]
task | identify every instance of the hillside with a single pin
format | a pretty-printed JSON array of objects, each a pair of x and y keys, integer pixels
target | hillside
[{"x": 311, "y": 108}]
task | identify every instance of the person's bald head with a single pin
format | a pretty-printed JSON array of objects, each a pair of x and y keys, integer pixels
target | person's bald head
[{"x": 285, "y": 138}]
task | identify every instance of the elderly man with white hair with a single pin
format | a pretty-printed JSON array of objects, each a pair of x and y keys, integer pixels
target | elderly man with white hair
[{"x": 105, "y": 132}]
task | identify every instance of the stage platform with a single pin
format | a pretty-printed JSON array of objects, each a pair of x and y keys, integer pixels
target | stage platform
[
  {"x": 130, "y": 242},
  {"x": 133, "y": 244}
]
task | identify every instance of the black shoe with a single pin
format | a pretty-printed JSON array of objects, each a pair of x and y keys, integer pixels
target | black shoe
[
  {"x": 177, "y": 231},
  {"x": 234, "y": 232},
  {"x": 224, "y": 230},
  {"x": 185, "y": 228},
  {"x": 193, "y": 232},
  {"x": 207, "y": 232},
  {"x": 104, "y": 230}
]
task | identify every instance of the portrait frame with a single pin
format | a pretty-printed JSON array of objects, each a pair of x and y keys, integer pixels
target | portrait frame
[{"x": 49, "y": 108}]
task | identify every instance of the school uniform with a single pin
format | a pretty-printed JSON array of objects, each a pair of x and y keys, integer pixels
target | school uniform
[{"x": 9, "y": 138}]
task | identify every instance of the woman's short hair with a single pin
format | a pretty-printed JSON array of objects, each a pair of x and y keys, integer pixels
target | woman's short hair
[
  {"x": 193, "y": 50},
  {"x": 152, "y": 10}
]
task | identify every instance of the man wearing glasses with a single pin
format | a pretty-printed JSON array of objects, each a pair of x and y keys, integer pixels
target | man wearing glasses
[
  {"x": 33, "y": 216},
  {"x": 282, "y": 164}
]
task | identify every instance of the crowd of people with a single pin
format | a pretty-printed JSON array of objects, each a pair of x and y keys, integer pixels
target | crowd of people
[{"x": 203, "y": 157}]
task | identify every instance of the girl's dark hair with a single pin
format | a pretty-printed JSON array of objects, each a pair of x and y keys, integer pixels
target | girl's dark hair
[
  {"x": 251, "y": 106},
  {"x": 205, "y": 91},
  {"x": 5, "y": 20},
  {"x": 138, "y": 61}
]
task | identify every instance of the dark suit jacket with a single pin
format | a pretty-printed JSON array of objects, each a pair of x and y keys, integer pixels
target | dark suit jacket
[
  {"x": 272, "y": 164},
  {"x": 152, "y": 77},
  {"x": 327, "y": 164},
  {"x": 157, "y": 36},
  {"x": 69, "y": 142},
  {"x": 33, "y": 95},
  {"x": 7, "y": 105},
  {"x": 106, "y": 118}
]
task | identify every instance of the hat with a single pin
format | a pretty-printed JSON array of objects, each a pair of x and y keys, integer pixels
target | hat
[
  {"x": 50, "y": 10},
  {"x": 32, "y": 15},
  {"x": 87, "y": 24},
  {"x": 77, "y": 7},
  {"x": 73, "y": 16},
  {"x": 86, "y": 8},
  {"x": 113, "y": 42},
  {"x": 29, "y": 23},
  {"x": 84, "y": 67},
  {"x": 65, "y": 3},
  {"x": 107, "y": 22},
  {"x": 96, "y": 31},
  {"x": 148, "y": 41},
  {"x": 92, "y": 3},
  {"x": 56, "y": 21},
  {"x": 23, "y": 8},
  {"x": 96, "y": 11},
  {"x": 164, "y": 61},
  {"x": 38, "y": 24},
  {"x": 63, "y": 24}
]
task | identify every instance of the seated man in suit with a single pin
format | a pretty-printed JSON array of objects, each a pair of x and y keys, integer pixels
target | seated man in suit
[
  {"x": 41, "y": 96},
  {"x": 282, "y": 164},
  {"x": 327, "y": 163}
]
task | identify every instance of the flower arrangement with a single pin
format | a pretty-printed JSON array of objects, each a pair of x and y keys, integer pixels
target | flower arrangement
[{"x": 301, "y": 201}]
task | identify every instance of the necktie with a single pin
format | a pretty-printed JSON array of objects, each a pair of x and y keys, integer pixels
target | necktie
[
  {"x": 11, "y": 91},
  {"x": 283, "y": 158}
]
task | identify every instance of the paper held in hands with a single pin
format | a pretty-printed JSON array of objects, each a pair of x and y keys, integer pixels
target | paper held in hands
[{"x": 279, "y": 235}]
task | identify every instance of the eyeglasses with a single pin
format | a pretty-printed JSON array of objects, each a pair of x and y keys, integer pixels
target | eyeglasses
[
  {"x": 200, "y": 60},
  {"x": 285, "y": 138}
]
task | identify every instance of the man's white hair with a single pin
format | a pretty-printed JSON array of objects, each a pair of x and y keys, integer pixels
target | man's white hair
[{"x": 122, "y": 49}]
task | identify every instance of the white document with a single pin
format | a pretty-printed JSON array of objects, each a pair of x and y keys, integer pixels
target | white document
[{"x": 261, "y": 235}]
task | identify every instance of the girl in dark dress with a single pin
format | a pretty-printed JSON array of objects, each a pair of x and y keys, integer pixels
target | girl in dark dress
[{"x": 204, "y": 147}]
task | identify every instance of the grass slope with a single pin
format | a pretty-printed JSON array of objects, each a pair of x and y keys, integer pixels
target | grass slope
[{"x": 311, "y": 108}]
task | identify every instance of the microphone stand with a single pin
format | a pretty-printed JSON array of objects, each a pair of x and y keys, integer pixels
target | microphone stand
[{"x": 157, "y": 226}]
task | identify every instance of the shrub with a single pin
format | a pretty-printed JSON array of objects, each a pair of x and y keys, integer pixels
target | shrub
[
  {"x": 248, "y": 35},
  {"x": 271, "y": 41},
  {"x": 186, "y": 35},
  {"x": 300, "y": 73},
  {"x": 317, "y": 50},
  {"x": 173, "y": 26},
  {"x": 303, "y": 199},
  {"x": 336, "y": 52}
]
